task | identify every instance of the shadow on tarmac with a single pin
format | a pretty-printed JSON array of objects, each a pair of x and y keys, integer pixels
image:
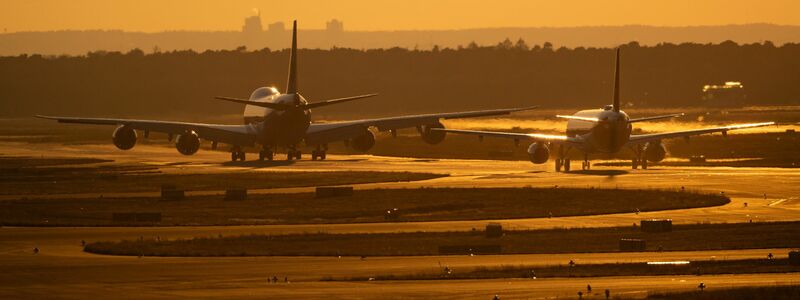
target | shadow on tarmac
[
  {"x": 599, "y": 172},
  {"x": 280, "y": 163},
  {"x": 259, "y": 163}
]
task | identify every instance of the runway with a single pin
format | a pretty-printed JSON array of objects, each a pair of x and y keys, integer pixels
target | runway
[{"x": 62, "y": 270}]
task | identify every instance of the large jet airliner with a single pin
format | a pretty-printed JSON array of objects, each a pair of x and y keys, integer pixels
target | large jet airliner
[
  {"x": 605, "y": 130},
  {"x": 273, "y": 120}
]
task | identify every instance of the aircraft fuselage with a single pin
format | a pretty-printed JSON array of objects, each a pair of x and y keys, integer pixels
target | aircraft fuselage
[
  {"x": 278, "y": 127},
  {"x": 608, "y": 135}
]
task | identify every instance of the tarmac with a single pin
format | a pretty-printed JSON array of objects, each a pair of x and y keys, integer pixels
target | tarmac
[{"x": 62, "y": 270}]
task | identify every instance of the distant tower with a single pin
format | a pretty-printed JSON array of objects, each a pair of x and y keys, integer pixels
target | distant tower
[
  {"x": 276, "y": 27},
  {"x": 252, "y": 24},
  {"x": 334, "y": 26}
]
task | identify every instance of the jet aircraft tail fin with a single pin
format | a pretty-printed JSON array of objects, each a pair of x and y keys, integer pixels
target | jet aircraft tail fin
[
  {"x": 616, "y": 84},
  {"x": 291, "y": 82}
]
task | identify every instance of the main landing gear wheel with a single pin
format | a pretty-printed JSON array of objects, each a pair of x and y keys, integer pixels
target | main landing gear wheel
[
  {"x": 237, "y": 154},
  {"x": 318, "y": 154},
  {"x": 294, "y": 154},
  {"x": 266, "y": 154},
  {"x": 635, "y": 163},
  {"x": 562, "y": 163},
  {"x": 638, "y": 160},
  {"x": 586, "y": 165}
]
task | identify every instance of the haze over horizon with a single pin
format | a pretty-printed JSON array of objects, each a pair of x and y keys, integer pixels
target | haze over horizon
[{"x": 363, "y": 15}]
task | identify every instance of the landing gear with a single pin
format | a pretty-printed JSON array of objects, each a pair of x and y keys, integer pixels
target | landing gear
[
  {"x": 319, "y": 153},
  {"x": 266, "y": 154},
  {"x": 586, "y": 163},
  {"x": 293, "y": 154},
  {"x": 638, "y": 160},
  {"x": 237, "y": 153},
  {"x": 562, "y": 163}
]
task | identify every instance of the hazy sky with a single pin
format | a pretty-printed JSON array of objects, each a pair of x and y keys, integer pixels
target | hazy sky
[{"x": 159, "y": 15}]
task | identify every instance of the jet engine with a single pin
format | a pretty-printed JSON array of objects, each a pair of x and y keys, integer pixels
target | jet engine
[
  {"x": 124, "y": 137},
  {"x": 432, "y": 137},
  {"x": 655, "y": 152},
  {"x": 187, "y": 143},
  {"x": 364, "y": 142},
  {"x": 538, "y": 153}
]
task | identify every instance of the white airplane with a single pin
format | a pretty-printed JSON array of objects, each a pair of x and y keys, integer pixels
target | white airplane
[
  {"x": 273, "y": 120},
  {"x": 606, "y": 131}
]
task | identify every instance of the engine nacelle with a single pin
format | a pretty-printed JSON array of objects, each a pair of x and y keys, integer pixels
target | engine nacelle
[
  {"x": 364, "y": 142},
  {"x": 432, "y": 137},
  {"x": 124, "y": 137},
  {"x": 655, "y": 152},
  {"x": 538, "y": 153},
  {"x": 187, "y": 143}
]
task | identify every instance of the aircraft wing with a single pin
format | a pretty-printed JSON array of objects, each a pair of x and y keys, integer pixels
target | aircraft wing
[
  {"x": 656, "y": 118},
  {"x": 337, "y": 131},
  {"x": 644, "y": 138},
  {"x": 563, "y": 139},
  {"x": 242, "y": 135}
]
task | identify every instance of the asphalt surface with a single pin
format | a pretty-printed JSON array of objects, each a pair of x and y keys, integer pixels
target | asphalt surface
[{"x": 62, "y": 270}]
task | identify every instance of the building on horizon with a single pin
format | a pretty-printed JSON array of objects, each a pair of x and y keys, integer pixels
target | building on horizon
[
  {"x": 276, "y": 27},
  {"x": 334, "y": 26},
  {"x": 252, "y": 24}
]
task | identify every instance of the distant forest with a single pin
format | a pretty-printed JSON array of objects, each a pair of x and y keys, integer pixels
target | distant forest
[{"x": 510, "y": 74}]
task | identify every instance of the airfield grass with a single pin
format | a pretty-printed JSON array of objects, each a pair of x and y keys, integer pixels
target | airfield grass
[
  {"x": 704, "y": 267},
  {"x": 41, "y": 176},
  {"x": 789, "y": 292},
  {"x": 572, "y": 240},
  {"x": 364, "y": 206}
]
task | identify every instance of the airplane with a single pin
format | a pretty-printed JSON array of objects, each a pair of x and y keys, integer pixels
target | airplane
[
  {"x": 604, "y": 131},
  {"x": 273, "y": 120}
]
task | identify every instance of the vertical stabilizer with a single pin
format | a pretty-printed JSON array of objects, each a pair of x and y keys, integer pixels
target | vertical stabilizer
[
  {"x": 291, "y": 83},
  {"x": 616, "y": 84}
]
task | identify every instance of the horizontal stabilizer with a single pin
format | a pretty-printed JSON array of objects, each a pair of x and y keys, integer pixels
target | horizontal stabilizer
[
  {"x": 337, "y": 101},
  {"x": 656, "y": 118},
  {"x": 578, "y": 118},
  {"x": 281, "y": 106},
  {"x": 275, "y": 106}
]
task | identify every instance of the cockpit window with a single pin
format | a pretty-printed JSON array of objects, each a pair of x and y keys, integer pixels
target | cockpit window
[
  {"x": 608, "y": 107},
  {"x": 263, "y": 92}
]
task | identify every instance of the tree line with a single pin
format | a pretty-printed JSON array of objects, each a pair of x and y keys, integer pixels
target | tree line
[{"x": 509, "y": 74}]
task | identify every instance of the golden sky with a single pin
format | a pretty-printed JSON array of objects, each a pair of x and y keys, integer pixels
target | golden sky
[{"x": 160, "y": 15}]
